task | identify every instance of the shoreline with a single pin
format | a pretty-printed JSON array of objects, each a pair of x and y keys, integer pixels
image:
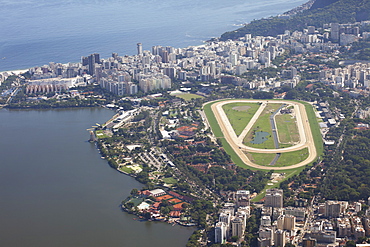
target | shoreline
[
  {"x": 209, "y": 39},
  {"x": 15, "y": 72}
]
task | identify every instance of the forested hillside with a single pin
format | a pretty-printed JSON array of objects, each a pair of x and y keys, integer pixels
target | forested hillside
[
  {"x": 322, "y": 3},
  {"x": 342, "y": 11},
  {"x": 348, "y": 179}
]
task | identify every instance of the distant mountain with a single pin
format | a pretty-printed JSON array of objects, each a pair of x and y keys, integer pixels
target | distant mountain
[
  {"x": 322, "y": 3},
  {"x": 321, "y": 12}
]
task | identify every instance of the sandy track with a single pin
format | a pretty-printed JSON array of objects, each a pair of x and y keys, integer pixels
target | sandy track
[{"x": 306, "y": 138}]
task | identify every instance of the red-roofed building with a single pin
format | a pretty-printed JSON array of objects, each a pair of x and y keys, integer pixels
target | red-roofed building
[
  {"x": 181, "y": 197},
  {"x": 174, "y": 201},
  {"x": 178, "y": 207},
  {"x": 175, "y": 194},
  {"x": 175, "y": 214},
  {"x": 309, "y": 87},
  {"x": 155, "y": 205},
  {"x": 165, "y": 197},
  {"x": 146, "y": 193}
]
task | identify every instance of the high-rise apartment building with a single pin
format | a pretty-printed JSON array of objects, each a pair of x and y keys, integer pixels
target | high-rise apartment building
[
  {"x": 279, "y": 238},
  {"x": 274, "y": 198},
  {"x": 139, "y": 49},
  {"x": 220, "y": 232},
  {"x": 90, "y": 61},
  {"x": 237, "y": 227},
  {"x": 335, "y": 208},
  {"x": 334, "y": 31}
]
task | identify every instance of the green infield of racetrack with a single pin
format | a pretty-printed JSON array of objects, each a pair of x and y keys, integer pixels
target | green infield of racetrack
[
  {"x": 235, "y": 158},
  {"x": 285, "y": 159},
  {"x": 263, "y": 124},
  {"x": 239, "y": 117},
  {"x": 291, "y": 158},
  {"x": 287, "y": 128},
  {"x": 260, "y": 159}
]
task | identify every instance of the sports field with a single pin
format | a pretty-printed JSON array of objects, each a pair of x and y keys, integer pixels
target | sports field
[
  {"x": 264, "y": 134},
  {"x": 188, "y": 96}
]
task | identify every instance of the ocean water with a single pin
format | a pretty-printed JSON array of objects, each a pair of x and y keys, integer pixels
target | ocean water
[{"x": 36, "y": 32}]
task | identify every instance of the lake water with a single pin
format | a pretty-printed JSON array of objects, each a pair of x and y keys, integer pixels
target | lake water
[
  {"x": 56, "y": 191},
  {"x": 260, "y": 137},
  {"x": 36, "y": 32}
]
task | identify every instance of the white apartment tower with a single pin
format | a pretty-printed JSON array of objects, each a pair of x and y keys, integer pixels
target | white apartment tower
[{"x": 220, "y": 232}]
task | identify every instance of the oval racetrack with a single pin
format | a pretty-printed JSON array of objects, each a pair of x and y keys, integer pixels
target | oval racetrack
[{"x": 236, "y": 142}]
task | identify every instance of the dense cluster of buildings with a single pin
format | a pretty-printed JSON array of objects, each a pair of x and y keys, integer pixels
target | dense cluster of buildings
[
  {"x": 149, "y": 202},
  {"x": 277, "y": 224},
  {"x": 274, "y": 225},
  {"x": 314, "y": 223},
  {"x": 352, "y": 76},
  {"x": 233, "y": 218},
  {"x": 215, "y": 60},
  {"x": 335, "y": 222}
]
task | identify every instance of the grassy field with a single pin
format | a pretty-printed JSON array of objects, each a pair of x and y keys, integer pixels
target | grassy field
[
  {"x": 100, "y": 134},
  {"x": 218, "y": 134},
  {"x": 188, "y": 96},
  {"x": 292, "y": 158},
  {"x": 212, "y": 120},
  {"x": 239, "y": 114},
  {"x": 287, "y": 128},
  {"x": 315, "y": 129},
  {"x": 128, "y": 169},
  {"x": 261, "y": 159},
  {"x": 136, "y": 201},
  {"x": 125, "y": 169},
  {"x": 170, "y": 180},
  {"x": 285, "y": 159},
  {"x": 262, "y": 124}
]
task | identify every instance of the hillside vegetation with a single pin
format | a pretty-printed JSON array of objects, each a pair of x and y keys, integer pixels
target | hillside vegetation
[{"x": 340, "y": 11}]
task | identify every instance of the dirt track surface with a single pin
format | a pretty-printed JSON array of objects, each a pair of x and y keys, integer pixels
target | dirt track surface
[{"x": 236, "y": 142}]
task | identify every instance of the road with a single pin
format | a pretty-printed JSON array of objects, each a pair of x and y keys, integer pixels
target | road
[{"x": 236, "y": 142}]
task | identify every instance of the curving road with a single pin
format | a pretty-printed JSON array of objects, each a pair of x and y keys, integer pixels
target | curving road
[{"x": 236, "y": 142}]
